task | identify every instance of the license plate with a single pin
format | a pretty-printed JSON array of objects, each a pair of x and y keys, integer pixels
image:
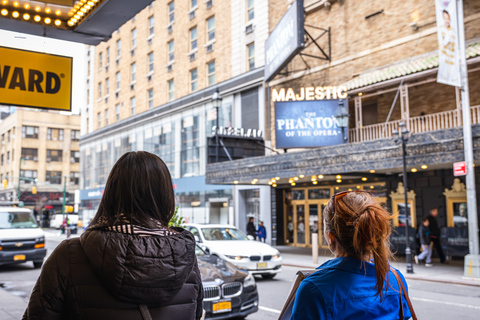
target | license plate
[
  {"x": 262, "y": 265},
  {"x": 19, "y": 257},
  {"x": 222, "y": 306}
]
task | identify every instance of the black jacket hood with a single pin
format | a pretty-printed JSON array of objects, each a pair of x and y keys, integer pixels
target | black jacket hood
[{"x": 147, "y": 270}]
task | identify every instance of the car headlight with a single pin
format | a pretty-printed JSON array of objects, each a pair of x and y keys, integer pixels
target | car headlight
[
  {"x": 42, "y": 239},
  {"x": 277, "y": 255},
  {"x": 236, "y": 258},
  {"x": 249, "y": 281}
]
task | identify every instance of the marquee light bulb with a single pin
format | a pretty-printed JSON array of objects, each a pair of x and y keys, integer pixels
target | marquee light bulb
[
  {"x": 48, "y": 10},
  {"x": 48, "y": 20},
  {"x": 71, "y": 23},
  {"x": 4, "y": 2},
  {"x": 15, "y": 14},
  {"x": 58, "y": 22},
  {"x": 4, "y": 12},
  {"x": 37, "y": 18},
  {"x": 58, "y": 12},
  {"x": 26, "y": 16},
  {"x": 27, "y": 6},
  {"x": 38, "y": 9},
  {"x": 15, "y": 4}
]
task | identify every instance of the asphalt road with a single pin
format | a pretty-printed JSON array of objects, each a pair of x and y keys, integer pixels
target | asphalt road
[{"x": 431, "y": 300}]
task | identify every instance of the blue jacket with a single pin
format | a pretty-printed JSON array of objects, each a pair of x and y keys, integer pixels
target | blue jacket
[
  {"x": 343, "y": 289},
  {"x": 262, "y": 232}
]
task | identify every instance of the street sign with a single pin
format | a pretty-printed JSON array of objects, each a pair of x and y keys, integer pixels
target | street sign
[
  {"x": 35, "y": 80},
  {"x": 459, "y": 168}
]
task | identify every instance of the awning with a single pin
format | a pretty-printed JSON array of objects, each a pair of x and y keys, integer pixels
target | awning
[{"x": 406, "y": 67}]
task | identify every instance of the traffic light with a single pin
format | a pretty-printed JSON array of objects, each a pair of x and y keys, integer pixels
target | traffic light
[
  {"x": 5, "y": 183},
  {"x": 34, "y": 190}
]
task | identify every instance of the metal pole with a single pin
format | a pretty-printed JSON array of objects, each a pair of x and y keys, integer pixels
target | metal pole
[
  {"x": 64, "y": 196},
  {"x": 471, "y": 268},
  {"x": 19, "y": 169},
  {"x": 408, "y": 252},
  {"x": 216, "y": 138}
]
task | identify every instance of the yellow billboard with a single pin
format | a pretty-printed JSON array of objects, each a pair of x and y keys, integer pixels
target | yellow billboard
[{"x": 35, "y": 80}]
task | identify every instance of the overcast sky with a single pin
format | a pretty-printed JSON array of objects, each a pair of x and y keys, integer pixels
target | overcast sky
[{"x": 58, "y": 47}]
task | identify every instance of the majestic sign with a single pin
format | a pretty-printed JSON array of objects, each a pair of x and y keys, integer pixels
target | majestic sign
[
  {"x": 237, "y": 132},
  {"x": 447, "y": 34},
  {"x": 285, "y": 41},
  {"x": 36, "y": 80},
  {"x": 307, "y": 124},
  {"x": 310, "y": 93}
]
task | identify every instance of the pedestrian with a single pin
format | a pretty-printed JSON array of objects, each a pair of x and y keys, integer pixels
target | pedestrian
[
  {"x": 424, "y": 236},
  {"x": 262, "y": 232},
  {"x": 128, "y": 264},
  {"x": 435, "y": 234},
  {"x": 251, "y": 230},
  {"x": 353, "y": 285}
]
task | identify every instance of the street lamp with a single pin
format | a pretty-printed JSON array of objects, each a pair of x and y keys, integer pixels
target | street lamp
[
  {"x": 342, "y": 117},
  {"x": 402, "y": 137},
  {"x": 217, "y": 103},
  {"x": 19, "y": 178}
]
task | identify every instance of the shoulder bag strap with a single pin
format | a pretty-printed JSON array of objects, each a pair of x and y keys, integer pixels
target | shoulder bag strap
[
  {"x": 402, "y": 288},
  {"x": 144, "y": 311}
]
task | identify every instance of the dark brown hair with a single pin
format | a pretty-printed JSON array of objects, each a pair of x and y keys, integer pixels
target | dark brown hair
[
  {"x": 139, "y": 188},
  {"x": 362, "y": 228}
]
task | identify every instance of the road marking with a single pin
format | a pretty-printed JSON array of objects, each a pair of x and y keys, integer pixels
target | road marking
[
  {"x": 447, "y": 303},
  {"x": 269, "y": 309}
]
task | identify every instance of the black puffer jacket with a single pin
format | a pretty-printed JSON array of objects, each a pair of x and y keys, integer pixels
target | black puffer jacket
[{"x": 106, "y": 275}]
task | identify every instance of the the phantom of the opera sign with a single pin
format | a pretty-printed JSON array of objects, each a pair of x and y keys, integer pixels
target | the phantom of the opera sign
[{"x": 303, "y": 123}]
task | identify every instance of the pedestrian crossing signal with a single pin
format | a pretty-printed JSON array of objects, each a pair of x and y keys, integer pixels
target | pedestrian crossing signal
[
  {"x": 34, "y": 190},
  {"x": 5, "y": 183}
]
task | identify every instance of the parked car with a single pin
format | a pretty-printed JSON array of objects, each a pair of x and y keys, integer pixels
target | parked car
[
  {"x": 21, "y": 239},
  {"x": 232, "y": 245},
  {"x": 229, "y": 291}
]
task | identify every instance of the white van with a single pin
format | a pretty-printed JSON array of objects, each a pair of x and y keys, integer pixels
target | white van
[{"x": 21, "y": 239}]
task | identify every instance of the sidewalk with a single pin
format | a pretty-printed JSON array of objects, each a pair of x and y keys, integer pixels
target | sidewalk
[
  {"x": 444, "y": 273},
  {"x": 12, "y": 307}
]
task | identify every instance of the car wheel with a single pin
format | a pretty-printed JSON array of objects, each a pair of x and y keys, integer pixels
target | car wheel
[
  {"x": 268, "y": 275},
  {"x": 37, "y": 264}
]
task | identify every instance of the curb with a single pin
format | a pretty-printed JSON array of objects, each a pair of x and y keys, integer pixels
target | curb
[{"x": 459, "y": 282}]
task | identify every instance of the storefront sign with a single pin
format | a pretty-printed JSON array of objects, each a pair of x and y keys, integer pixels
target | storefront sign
[
  {"x": 459, "y": 168},
  {"x": 310, "y": 93},
  {"x": 285, "y": 41},
  {"x": 447, "y": 34},
  {"x": 303, "y": 124},
  {"x": 36, "y": 80},
  {"x": 91, "y": 194},
  {"x": 238, "y": 132}
]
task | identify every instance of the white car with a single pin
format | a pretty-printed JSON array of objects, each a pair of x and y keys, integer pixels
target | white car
[{"x": 231, "y": 244}]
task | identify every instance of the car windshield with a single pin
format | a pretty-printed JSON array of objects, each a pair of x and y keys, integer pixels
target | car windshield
[
  {"x": 223, "y": 234},
  {"x": 17, "y": 220}
]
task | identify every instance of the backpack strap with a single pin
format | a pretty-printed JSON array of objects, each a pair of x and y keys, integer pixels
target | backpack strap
[
  {"x": 144, "y": 311},
  {"x": 402, "y": 289}
]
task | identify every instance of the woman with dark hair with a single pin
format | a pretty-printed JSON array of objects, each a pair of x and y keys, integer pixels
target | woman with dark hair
[
  {"x": 358, "y": 283},
  {"x": 128, "y": 264}
]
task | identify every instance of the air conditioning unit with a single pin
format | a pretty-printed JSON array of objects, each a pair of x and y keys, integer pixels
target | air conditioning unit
[
  {"x": 132, "y": 52},
  {"x": 209, "y": 48},
  {"x": 117, "y": 61},
  {"x": 132, "y": 86},
  {"x": 209, "y": 4},
  {"x": 106, "y": 68},
  {"x": 149, "y": 78},
  {"x": 170, "y": 28},
  {"x": 249, "y": 29},
  {"x": 170, "y": 68},
  {"x": 149, "y": 41},
  {"x": 106, "y": 99},
  {"x": 191, "y": 15},
  {"x": 117, "y": 94},
  {"x": 192, "y": 56}
]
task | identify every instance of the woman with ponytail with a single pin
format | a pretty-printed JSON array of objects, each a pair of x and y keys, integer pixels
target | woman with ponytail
[{"x": 358, "y": 283}]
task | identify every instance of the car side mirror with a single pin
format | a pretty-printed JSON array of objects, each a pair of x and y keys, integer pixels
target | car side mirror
[
  {"x": 197, "y": 239},
  {"x": 207, "y": 250},
  {"x": 251, "y": 238}
]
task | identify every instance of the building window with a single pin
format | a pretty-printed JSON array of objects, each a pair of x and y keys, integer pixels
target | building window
[
  {"x": 3, "y": 138},
  {"x": 133, "y": 104},
  {"x": 193, "y": 38},
  {"x": 75, "y": 156},
  {"x": 99, "y": 119},
  {"x": 54, "y": 177},
  {"x": 54, "y": 155},
  {"x": 117, "y": 79},
  {"x": 193, "y": 80},
  {"x": 8, "y": 156},
  {"x": 250, "y": 10},
  {"x": 8, "y": 136},
  {"x": 75, "y": 135},
  {"x": 1, "y": 162},
  {"x": 119, "y": 48},
  {"x": 108, "y": 56},
  {"x": 30, "y": 154},
  {"x": 194, "y": 3},
  {"x": 74, "y": 178},
  {"x": 107, "y": 86},
  {"x": 99, "y": 90},
  {"x": 30, "y": 175},
  {"x": 29, "y": 132},
  {"x": 55, "y": 134},
  {"x": 133, "y": 71},
  {"x": 150, "y": 62},
  {"x": 88, "y": 96},
  {"x": 171, "y": 90},
  {"x": 251, "y": 56},
  {"x": 171, "y": 49},
  {"x": 150, "y": 98},
  {"x": 107, "y": 113},
  {"x": 211, "y": 29},
  {"x": 134, "y": 38},
  {"x": 117, "y": 110},
  {"x": 100, "y": 60},
  {"x": 151, "y": 23},
  {"x": 171, "y": 12},
  {"x": 211, "y": 73}
]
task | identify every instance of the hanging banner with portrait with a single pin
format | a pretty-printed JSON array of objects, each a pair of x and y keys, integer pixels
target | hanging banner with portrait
[{"x": 447, "y": 33}]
